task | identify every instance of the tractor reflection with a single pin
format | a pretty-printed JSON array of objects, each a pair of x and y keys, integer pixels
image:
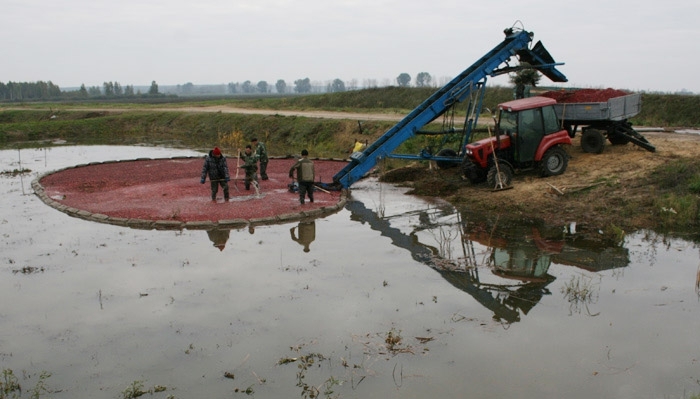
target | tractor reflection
[{"x": 461, "y": 246}]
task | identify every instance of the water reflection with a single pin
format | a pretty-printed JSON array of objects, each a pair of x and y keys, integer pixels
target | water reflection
[
  {"x": 219, "y": 237},
  {"x": 459, "y": 246},
  {"x": 304, "y": 233}
]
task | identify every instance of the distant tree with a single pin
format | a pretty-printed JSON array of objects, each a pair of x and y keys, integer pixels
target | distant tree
[
  {"x": 370, "y": 83},
  {"x": 302, "y": 86},
  {"x": 129, "y": 90},
  {"x": 83, "y": 91},
  {"x": 153, "y": 91},
  {"x": 247, "y": 87},
  {"x": 423, "y": 79},
  {"x": 94, "y": 91},
  {"x": 524, "y": 77},
  {"x": 187, "y": 88},
  {"x": 281, "y": 86},
  {"x": 54, "y": 90},
  {"x": 109, "y": 89},
  {"x": 337, "y": 86},
  {"x": 403, "y": 80},
  {"x": 118, "y": 90},
  {"x": 233, "y": 88},
  {"x": 262, "y": 86}
]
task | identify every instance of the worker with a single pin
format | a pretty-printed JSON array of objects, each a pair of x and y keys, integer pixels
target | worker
[
  {"x": 216, "y": 168},
  {"x": 219, "y": 237},
  {"x": 250, "y": 165},
  {"x": 358, "y": 146},
  {"x": 305, "y": 176},
  {"x": 261, "y": 152},
  {"x": 306, "y": 234}
]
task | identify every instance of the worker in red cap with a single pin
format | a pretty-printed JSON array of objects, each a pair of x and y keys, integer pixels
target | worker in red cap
[{"x": 216, "y": 167}]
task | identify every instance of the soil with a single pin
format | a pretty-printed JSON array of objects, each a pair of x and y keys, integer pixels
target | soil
[{"x": 596, "y": 191}]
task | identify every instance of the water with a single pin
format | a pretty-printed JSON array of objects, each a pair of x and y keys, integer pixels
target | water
[{"x": 399, "y": 296}]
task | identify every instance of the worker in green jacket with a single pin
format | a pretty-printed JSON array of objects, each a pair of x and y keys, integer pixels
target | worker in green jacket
[
  {"x": 261, "y": 152},
  {"x": 305, "y": 176},
  {"x": 250, "y": 165}
]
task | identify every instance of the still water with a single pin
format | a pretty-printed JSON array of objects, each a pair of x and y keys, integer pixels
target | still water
[{"x": 393, "y": 296}]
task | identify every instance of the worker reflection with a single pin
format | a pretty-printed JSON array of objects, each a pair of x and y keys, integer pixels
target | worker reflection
[
  {"x": 219, "y": 237},
  {"x": 306, "y": 232}
]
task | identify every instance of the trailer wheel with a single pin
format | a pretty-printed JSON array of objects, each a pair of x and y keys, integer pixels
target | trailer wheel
[
  {"x": 473, "y": 172},
  {"x": 446, "y": 152},
  {"x": 592, "y": 141},
  {"x": 554, "y": 162},
  {"x": 499, "y": 177}
]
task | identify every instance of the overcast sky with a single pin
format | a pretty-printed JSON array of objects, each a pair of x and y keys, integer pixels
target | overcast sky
[{"x": 624, "y": 44}]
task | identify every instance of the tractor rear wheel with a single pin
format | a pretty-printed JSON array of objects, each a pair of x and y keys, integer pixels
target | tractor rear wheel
[
  {"x": 554, "y": 162},
  {"x": 592, "y": 141},
  {"x": 500, "y": 175}
]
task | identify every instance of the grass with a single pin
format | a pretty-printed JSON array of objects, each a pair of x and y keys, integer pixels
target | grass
[
  {"x": 10, "y": 387},
  {"x": 136, "y": 389},
  {"x": 282, "y": 135},
  {"x": 678, "y": 202}
]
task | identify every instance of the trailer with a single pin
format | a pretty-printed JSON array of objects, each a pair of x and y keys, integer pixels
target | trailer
[{"x": 602, "y": 120}]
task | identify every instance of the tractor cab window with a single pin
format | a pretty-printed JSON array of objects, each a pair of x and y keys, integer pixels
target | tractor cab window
[
  {"x": 508, "y": 123},
  {"x": 531, "y": 123},
  {"x": 551, "y": 122},
  {"x": 530, "y": 133}
]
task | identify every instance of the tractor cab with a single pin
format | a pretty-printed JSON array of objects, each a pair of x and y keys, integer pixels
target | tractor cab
[{"x": 527, "y": 136}]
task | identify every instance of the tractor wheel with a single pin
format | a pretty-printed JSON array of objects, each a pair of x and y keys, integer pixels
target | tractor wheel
[
  {"x": 592, "y": 141},
  {"x": 554, "y": 162},
  {"x": 446, "y": 152},
  {"x": 473, "y": 172},
  {"x": 500, "y": 175}
]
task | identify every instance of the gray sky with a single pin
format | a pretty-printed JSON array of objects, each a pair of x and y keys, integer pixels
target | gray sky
[{"x": 624, "y": 44}]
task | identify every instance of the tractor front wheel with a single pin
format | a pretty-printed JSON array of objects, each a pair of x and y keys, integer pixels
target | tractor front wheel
[
  {"x": 473, "y": 172},
  {"x": 554, "y": 162},
  {"x": 446, "y": 152},
  {"x": 500, "y": 175}
]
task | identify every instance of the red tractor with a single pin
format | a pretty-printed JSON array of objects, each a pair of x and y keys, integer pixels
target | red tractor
[{"x": 528, "y": 136}]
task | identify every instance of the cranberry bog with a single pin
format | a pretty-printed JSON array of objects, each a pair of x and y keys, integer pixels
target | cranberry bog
[
  {"x": 166, "y": 193},
  {"x": 396, "y": 296}
]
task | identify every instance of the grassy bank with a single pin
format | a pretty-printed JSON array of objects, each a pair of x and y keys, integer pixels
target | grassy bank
[
  {"x": 120, "y": 122},
  {"x": 283, "y": 135}
]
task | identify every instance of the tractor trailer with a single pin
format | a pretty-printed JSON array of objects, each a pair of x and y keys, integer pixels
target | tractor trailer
[{"x": 531, "y": 134}]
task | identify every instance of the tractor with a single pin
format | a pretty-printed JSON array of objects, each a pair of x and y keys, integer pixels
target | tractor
[{"x": 528, "y": 136}]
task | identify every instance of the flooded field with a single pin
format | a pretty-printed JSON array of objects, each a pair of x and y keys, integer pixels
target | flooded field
[{"x": 392, "y": 297}]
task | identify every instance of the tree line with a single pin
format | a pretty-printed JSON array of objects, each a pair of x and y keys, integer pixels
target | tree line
[
  {"x": 40, "y": 90},
  {"x": 303, "y": 86}
]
